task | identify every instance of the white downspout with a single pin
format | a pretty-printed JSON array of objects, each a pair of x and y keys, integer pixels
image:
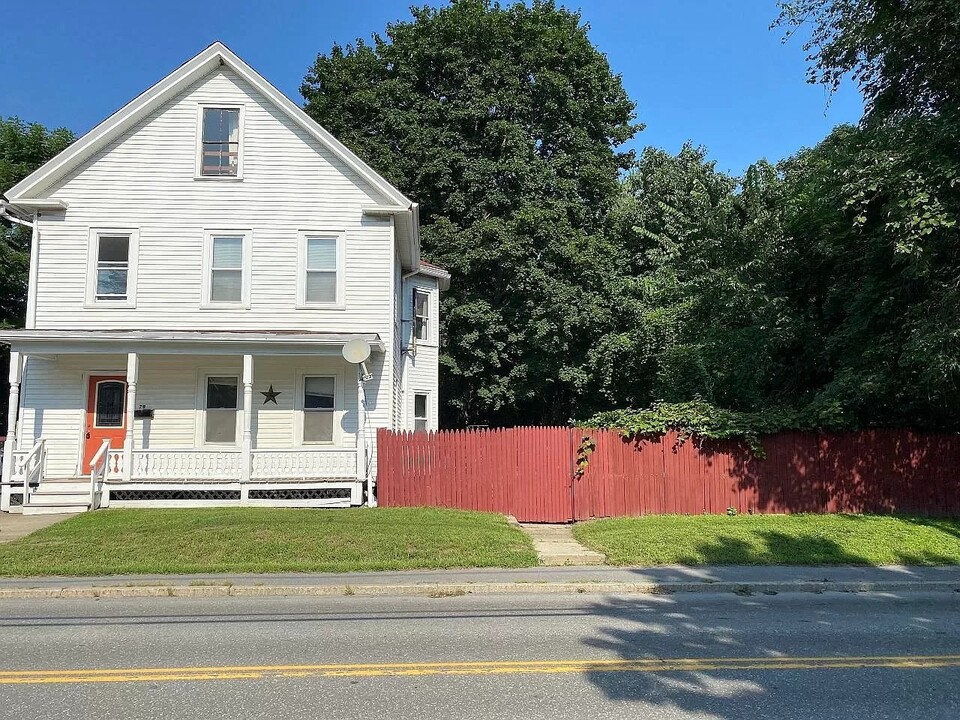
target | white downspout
[{"x": 31, "y": 319}]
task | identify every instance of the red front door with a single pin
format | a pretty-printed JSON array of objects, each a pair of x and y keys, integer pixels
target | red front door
[{"x": 106, "y": 419}]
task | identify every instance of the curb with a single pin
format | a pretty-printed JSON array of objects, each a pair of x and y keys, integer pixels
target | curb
[{"x": 441, "y": 590}]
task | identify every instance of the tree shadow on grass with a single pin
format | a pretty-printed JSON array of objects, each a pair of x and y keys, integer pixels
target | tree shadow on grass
[{"x": 774, "y": 547}]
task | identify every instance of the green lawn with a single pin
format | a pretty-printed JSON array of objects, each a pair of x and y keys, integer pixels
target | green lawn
[
  {"x": 773, "y": 540},
  {"x": 254, "y": 540}
]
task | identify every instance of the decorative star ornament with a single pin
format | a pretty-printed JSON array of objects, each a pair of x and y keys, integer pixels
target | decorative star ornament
[{"x": 270, "y": 395}]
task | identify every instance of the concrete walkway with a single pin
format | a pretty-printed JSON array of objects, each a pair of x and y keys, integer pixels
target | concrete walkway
[
  {"x": 555, "y": 545},
  {"x": 14, "y": 526}
]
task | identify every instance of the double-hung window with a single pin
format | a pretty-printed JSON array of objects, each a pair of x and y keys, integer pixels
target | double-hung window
[
  {"x": 321, "y": 269},
  {"x": 113, "y": 268},
  {"x": 421, "y": 418},
  {"x": 226, "y": 274},
  {"x": 220, "y": 142},
  {"x": 421, "y": 315},
  {"x": 222, "y": 396},
  {"x": 319, "y": 404}
]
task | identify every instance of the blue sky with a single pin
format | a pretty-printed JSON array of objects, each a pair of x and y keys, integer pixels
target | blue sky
[{"x": 705, "y": 70}]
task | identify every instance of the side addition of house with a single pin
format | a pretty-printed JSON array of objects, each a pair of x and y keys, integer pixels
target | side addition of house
[{"x": 208, "y": 268}]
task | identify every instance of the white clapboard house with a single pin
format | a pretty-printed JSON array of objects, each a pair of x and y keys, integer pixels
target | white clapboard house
[{"x": 200, "y": 261}]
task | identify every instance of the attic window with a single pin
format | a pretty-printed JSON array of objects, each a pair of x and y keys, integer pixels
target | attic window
[{"x": 220, "y": 142}]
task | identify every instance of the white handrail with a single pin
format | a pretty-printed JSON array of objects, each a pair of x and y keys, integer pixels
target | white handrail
[
  {"x": 98, "y": 471},
  {"x": 32, "y": 467}
]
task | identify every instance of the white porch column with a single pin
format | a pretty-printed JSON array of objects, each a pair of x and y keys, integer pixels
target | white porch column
[
  {"x": 133, "y": 366},
  {"x": 13, "y": 412},
  {"x": 246, "y": 447}
]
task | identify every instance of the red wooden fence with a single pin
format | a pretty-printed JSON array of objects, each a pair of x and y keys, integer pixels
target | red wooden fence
[
  {"x": 524, "y": 472},
  {"x": 530, "y": 473}
]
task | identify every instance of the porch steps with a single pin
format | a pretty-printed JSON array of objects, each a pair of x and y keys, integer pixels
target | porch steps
[{"x": 59, "y": 496}]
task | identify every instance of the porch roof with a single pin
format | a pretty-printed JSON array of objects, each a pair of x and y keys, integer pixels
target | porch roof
[{"x": 196, "y": 342}]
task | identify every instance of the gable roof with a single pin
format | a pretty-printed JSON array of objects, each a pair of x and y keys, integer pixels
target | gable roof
[{"x": 200, "y": 65}]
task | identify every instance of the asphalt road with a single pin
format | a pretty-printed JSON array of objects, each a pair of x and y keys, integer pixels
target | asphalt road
[{"x": 580, "y": 656}]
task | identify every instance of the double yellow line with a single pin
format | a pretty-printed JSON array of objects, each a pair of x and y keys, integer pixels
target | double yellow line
[{"x": 260, "y": 672}]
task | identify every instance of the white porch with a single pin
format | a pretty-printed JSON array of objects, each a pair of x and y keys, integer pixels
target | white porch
[{"x": 163, "y": 458}]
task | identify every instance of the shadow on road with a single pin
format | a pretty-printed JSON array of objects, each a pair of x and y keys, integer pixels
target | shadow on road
[{"x": 665, "y": 628}]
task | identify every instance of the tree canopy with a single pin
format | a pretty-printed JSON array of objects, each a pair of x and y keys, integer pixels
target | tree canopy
[
  {"x": 23, "y": 148},
  {"x": 505, "y": 124},
  {"x": 818, "y": 292}
]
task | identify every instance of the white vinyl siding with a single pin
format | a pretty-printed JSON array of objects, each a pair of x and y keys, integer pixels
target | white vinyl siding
[{"x": 291, "y": 184}]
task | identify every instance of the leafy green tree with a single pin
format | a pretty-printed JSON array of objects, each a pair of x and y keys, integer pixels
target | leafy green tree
[
  {"x": 904, "y": 54},
  {"x": 704, "y": 316},
  {"x": 873, "y": 213},
  {"x": 504, "y": 123},
  {"x": 23, "y": 148}
]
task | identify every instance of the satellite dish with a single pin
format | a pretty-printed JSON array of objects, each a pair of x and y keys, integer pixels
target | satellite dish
[{"x": 356, "y": 351}]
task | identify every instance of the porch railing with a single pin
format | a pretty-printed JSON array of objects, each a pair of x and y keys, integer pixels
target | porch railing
[
  {"x": 304, "y": 463},
  {"x": 185, "y": 465},
  {"x": 226, "y": 465}
]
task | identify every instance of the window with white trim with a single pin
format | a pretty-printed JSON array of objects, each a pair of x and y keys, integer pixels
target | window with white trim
[
  {"x": 321, "y": 262},
  {"x": 220, "y": 142},
  {"x": 226, "y": 268},
  {"x": 421, "y": 405},
  {"x": 221, "y": 403},
  {"x": 319, "y": 408},
  {"x": 113, "y": 267},
  {"x": 421, "y": 314}
]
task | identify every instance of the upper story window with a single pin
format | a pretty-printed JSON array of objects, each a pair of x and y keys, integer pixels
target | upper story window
[
  {"x": 113, "y": 267},
  {"x": 421, "y": 315},
  {"x": 220, "y": 142},
  {"x": 321, "y": 270},
  {"x": 227, "y": 268},
  {"x": 112, "y": 271}
]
